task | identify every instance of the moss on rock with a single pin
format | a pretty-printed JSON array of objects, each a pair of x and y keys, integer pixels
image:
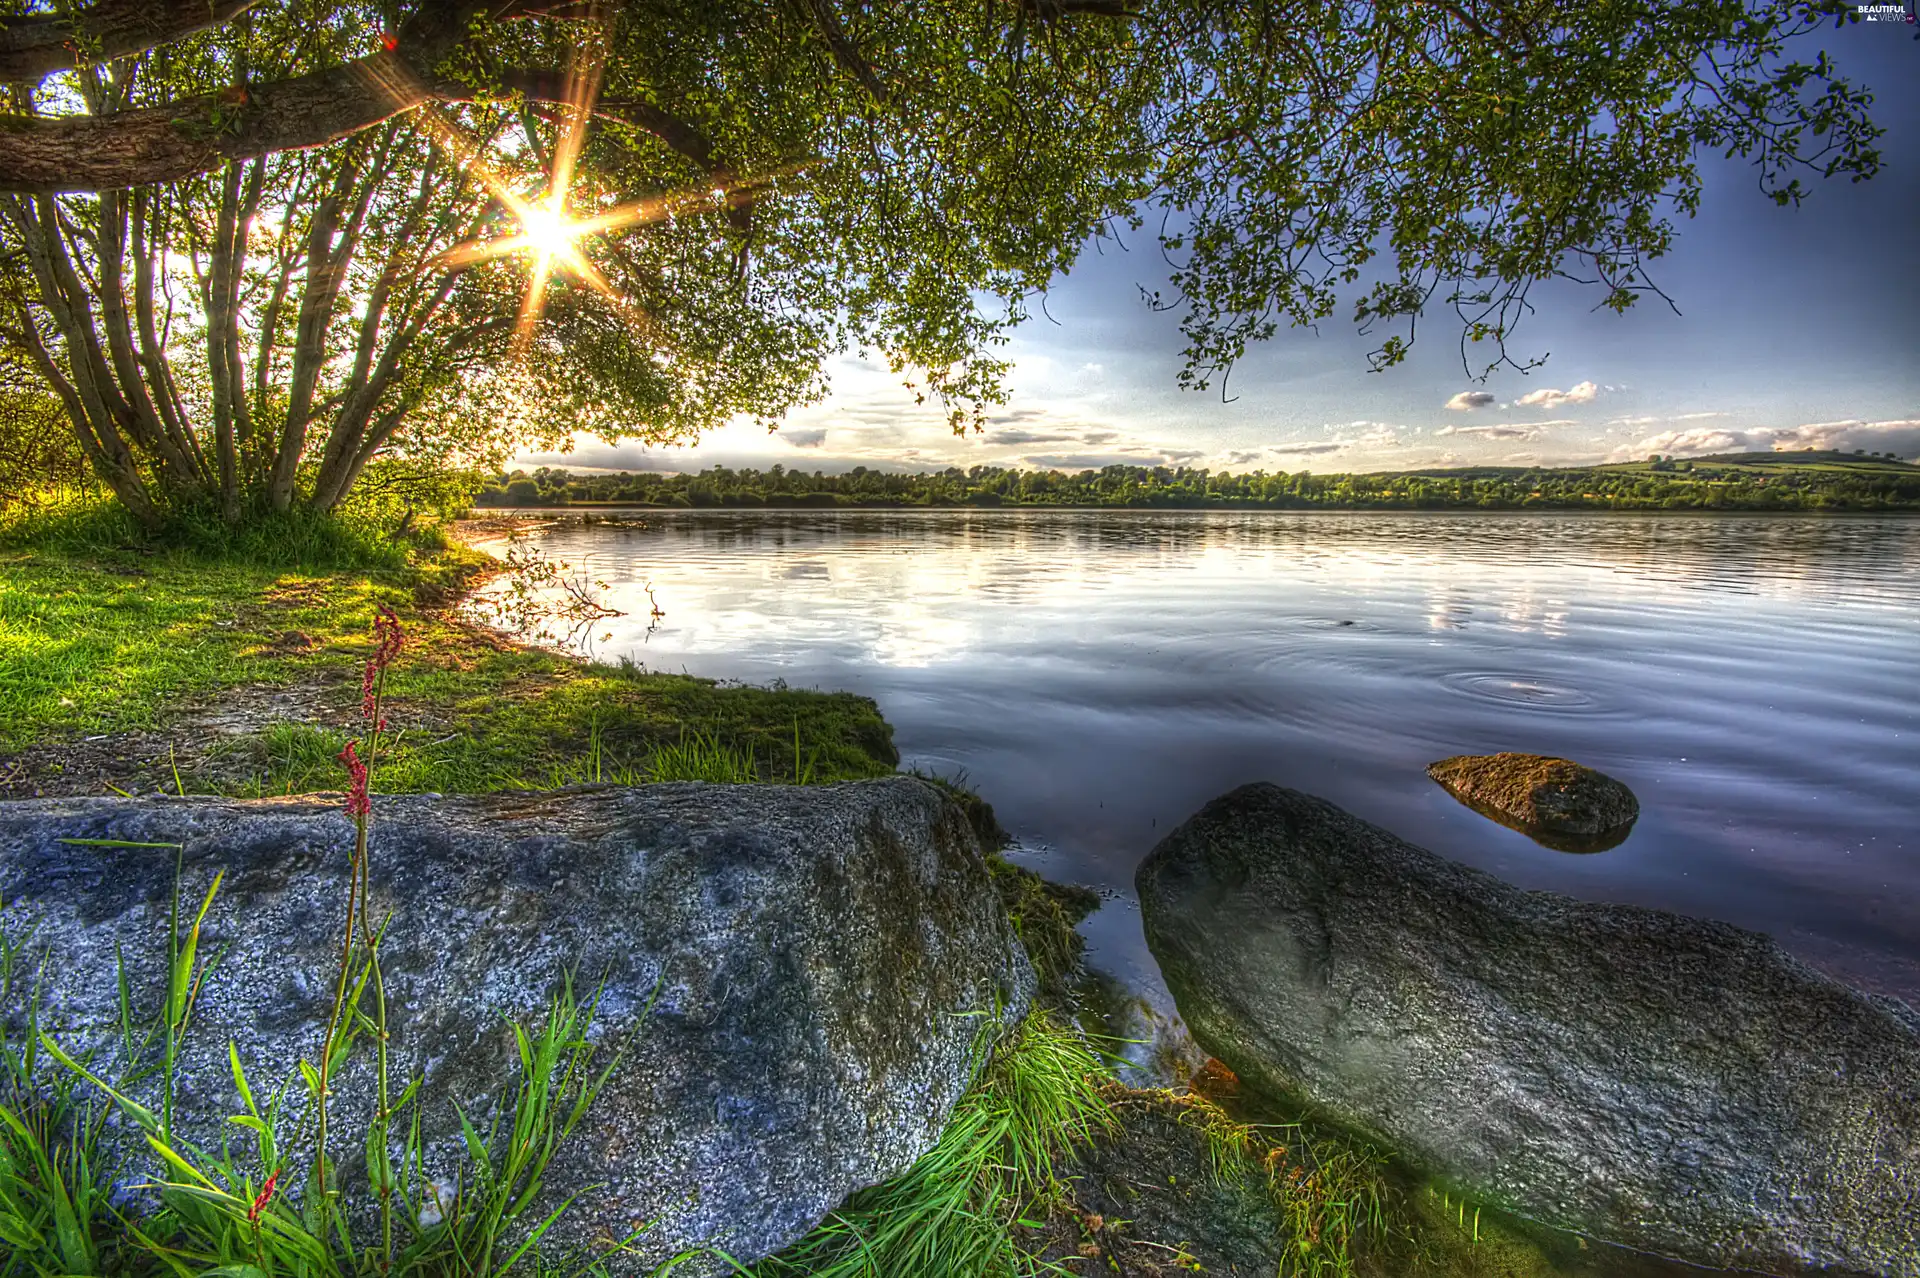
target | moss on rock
[
  {"x": 1045, "y": 916},
  {"x": 1539, "y": 794}
]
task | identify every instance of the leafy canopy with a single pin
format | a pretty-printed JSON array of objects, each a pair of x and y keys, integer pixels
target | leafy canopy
[{"x": 797, "y": 178}]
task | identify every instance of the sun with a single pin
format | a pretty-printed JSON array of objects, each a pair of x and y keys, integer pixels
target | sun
[
  {"x": 553, "y": 242},
  {"x": 549, "y": 232}
]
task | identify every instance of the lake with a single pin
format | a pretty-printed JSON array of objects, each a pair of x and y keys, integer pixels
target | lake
[{"x": 1099, "y": 675}]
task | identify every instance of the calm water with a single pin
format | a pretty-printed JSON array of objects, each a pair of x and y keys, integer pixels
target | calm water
[{"x": 1100, "y": 675}]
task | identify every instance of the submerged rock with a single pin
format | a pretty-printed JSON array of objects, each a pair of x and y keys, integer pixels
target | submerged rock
[
  {"x": 1679, "y": 1086},
  {"x": 799, "y": 976},
  {"x": 1557, "y": 801}
]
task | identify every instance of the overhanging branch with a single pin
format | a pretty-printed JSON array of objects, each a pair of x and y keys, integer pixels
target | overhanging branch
[
  {"x": 195, "y": 135},
  {"x": 551, "y": 87},
  {"x": 37, "y": 45},
  {"x": 827, "y": 22}
]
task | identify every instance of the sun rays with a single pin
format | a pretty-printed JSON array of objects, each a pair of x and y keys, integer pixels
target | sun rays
[
  {"x": 544, "y": 231},
  {"x": 546, "y": 234}
]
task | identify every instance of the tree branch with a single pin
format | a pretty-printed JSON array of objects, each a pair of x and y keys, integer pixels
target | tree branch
[
  {"x": 45, "y": 154},
  {"x": 165, "y": 144},
  {"x": 827, "y": 23},
  {"x": 37, "y": 45},
  {"x": 550, "y": 87}
]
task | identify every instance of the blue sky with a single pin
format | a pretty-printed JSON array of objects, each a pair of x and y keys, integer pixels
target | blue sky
[{"x": 1797, "y": 327}]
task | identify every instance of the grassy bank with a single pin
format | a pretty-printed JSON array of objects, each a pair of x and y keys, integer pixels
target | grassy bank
[{"x": 233, "y": 668}]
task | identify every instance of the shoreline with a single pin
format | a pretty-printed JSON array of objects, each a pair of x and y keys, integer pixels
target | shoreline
[
  {"x": 509, "y": 514},
  {"x": 181, "y": 674}
]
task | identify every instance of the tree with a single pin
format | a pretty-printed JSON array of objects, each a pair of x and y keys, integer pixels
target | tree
[
  {"x": 253, "y": 245},
  {"x": 37, "y": 454}
]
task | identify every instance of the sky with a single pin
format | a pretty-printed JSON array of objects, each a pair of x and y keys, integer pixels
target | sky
[{"x": 1796, "y": 327}]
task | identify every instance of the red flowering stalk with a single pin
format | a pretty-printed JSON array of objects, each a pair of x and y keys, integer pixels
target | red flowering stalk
[
  {"x": 388, "y": 640},
  {"x": 387, "y": 643},
  {"x": 359, "y": 802},
  {"x": 265, "y": 1197}
]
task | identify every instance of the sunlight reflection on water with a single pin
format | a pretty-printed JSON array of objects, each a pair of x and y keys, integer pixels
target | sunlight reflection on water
[{"x": 1100, "y": 675}]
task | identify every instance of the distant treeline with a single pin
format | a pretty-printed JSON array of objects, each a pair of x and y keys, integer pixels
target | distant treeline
[{"x": 1765, "y": 482}]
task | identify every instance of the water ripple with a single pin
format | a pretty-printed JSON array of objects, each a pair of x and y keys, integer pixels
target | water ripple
[{"x": 1533, "y": 691}]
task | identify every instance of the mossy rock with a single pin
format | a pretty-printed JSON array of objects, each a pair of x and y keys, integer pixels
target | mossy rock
[
  {"x": 1540, "y": 795},
  {"x": 1045, "y": 916},
  {"x": 1170, "y": 1190},
  {"x": 1404, "y": 994}
]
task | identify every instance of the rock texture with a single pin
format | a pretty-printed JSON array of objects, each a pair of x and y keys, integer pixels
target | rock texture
[
  {"x": 1557, "y": 801},
  {"x": 821, "y": 962},
  {"x": 1149, "y": 1199},
  {"x": 1678, "y": 1086}
]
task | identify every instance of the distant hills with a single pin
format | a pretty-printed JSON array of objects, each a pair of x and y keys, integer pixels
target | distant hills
[
  {"x": 1807, "y": 480},
  {"x": 1805, "y": 457}
]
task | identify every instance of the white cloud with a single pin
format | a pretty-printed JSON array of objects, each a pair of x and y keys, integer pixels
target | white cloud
[
  {"x": 1094, "y": 461},
  {"x": 1695, "y": 441},
  {"x": 1031, "y": 437},
  {"x": 1432, "y": 460},
  {"x": 1373, "y": 435},
  {"x": 804, "y": 438},
  {"x": 1547, "y": 397},
  {"x": 1467, "y": 401},
  {"x": 1901, "y": 437},
  {"x": 1370, "y": 434},
  {"x": 1489, "y": 432}
]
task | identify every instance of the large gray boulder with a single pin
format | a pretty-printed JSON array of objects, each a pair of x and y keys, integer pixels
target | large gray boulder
[
  {"x": 1678, "y": 1086},
  {"x": 821, "y": 964}
]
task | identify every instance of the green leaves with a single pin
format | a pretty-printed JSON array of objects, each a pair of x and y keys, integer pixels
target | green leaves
[
  {"x": 1398, "y": 156},
  {"x": 1480, "y": 156},
  {"x": 148, "y": 1121},
  {"x": 185, "y": 977},
  {"x": 47, "y": 1193}
]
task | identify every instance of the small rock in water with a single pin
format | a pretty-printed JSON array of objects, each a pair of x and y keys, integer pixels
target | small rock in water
[{"x": 1539, "y": 794}]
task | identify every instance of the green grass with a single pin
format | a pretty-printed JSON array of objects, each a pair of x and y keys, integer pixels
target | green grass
[
  {"x": 99, "y": 635},
  {"x": 99, "y": 632},
  {"x": 567, "y": 725},
  {"x": 1329, "y": 1190},
  {"x": 952, "y": 1215},
  {"x": 228, "y": 1211},
  {"x": 1045, "y": 917}
]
